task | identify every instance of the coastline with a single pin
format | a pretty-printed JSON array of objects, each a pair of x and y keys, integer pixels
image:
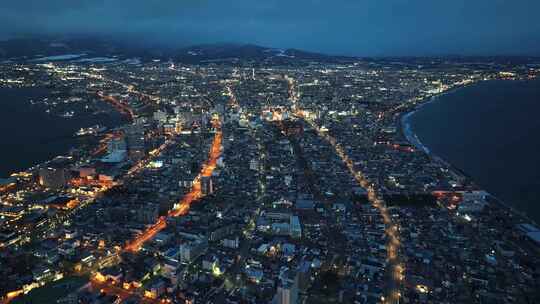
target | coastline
[
  {"x": 411, "y": 137},
  {"x": 405, "y": 126},
  {"x": 44, "y": 136}
]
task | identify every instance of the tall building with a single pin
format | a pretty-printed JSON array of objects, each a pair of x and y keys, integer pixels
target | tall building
[
  {"x": 192, "y": 250},
  {"x": 116, "y": 144},
  {"x": 206, "y": 185},
  {"x": 254, "y": 165},
  {"x": 160, "y": 116},
  {"x": 295, "y": 227},
  {"x": 135, "y": 141},
  {"x": 116, "y": 151},
  {"x": 287, "y": 291},
  {"x": 304, "y": 275},
  {"x": 149, "y": 214},
  {"x": 52, "y": 177}
]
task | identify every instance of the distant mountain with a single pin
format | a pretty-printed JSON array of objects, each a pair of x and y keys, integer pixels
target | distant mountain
[
  {"x": 27, "y": 49},
  {"x": 249, "y": 52},
  {"x": 92, "y": 49}
]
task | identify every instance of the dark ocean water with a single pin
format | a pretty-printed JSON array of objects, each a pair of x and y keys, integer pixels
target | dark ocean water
[
  {"x": 31, "y": 136},
  {"x": 491, "y": 131}
]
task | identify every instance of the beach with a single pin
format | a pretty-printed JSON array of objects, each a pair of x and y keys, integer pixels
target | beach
[{"x": 481, "y": 130}]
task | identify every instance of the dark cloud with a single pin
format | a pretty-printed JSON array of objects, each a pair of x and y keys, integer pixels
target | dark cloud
[{"x": 360, "y": 27}]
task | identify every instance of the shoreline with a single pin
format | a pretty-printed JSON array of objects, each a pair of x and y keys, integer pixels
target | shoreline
[
  {"x": 62, "y": 142},
  {"x": 405, "y": 125},
  {"x": 410, "y": 136}
]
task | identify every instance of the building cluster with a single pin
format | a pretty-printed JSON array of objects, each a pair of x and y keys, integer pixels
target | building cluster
[{"x": 250, "y": 184}]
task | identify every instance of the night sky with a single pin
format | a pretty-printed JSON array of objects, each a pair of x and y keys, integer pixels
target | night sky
[{"x": 349, "y": 27}]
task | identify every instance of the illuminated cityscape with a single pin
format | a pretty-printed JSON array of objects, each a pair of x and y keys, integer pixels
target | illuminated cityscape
[
  {"x": 368, "y": 153},
  {"x": 231, "y": 184}
]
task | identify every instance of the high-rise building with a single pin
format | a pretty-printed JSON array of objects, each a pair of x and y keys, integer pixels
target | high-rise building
[
  {"x": 148, "y": 214},
  {"x": 192, "y": 250},
  {"x": 160, "y": 116},
  {"x": 116, "y": 151},
  {"x": 295, "y": 227},
  {"x": 206, "y": 185},
  {"x": 254, "y": 165},
  {"x": 135, "y": 141},
  {"x": 304, "y": 275},
  {"x": 287, "y": 291},
  {"x": 52, "y": 177},
  {"x": 115, "y": 145}
]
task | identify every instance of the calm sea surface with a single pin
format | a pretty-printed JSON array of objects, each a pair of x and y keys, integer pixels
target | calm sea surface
[
  {"x": 490, "y": 130},
  {"x": 31, "y": 136}
]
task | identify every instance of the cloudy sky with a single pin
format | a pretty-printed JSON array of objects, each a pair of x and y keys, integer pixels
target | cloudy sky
[{"x": 351, "y": 27}]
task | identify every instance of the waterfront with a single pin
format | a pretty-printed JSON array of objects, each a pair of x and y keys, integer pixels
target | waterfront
[
  {"x": 490, "y": 131},
  {"x": 285, "y": 181},
  {"x": 31, "y": 135}
]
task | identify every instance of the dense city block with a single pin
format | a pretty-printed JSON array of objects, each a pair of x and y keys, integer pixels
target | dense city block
[{"x": 256, "y": 182}]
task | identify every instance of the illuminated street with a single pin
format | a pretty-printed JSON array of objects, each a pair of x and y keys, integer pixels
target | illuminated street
[
  {"x": 244, "y": 174},
  {"x": 183, "y": 206}
]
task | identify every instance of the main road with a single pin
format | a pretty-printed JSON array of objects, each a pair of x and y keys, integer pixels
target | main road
[
  {"x": 395, "y": 269},
  {"x": 184, "y": 204}
]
